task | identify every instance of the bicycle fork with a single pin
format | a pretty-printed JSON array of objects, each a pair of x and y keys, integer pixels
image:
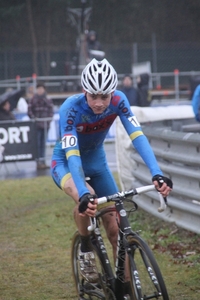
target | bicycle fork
[{"x": 121, "y": 286}]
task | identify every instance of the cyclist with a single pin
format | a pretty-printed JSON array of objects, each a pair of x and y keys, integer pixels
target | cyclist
[{"x": 84, "y": 122}]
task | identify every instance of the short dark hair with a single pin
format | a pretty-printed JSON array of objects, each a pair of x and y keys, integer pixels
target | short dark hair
[
  {"x": 3, "y": 103},
  {"x": 127, "y": 75},
  {"x": 41, "y": 84}
]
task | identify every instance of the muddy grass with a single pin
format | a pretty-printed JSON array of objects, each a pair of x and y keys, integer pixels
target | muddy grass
[{"x": 36, "y": 227}]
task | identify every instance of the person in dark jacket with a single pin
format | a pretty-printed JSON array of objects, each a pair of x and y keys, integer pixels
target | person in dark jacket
[
  {"x": 143, "y": 90},
  {"x": 130, "y": 92},
  {"x": 40, "y": 107},
  {"x": 5, "y": 113},
  {"x": 93, "y": 47}
]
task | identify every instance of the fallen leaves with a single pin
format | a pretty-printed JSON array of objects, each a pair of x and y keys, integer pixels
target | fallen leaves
[{"x": 185, "y": 249}]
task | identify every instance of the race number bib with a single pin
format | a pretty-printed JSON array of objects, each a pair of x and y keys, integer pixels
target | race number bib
[
  {"x": 69, "y": 141},
  {"x": 134, "y": 121}
]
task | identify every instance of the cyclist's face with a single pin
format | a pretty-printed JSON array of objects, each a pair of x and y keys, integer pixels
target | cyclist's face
[{"x": 98, "y": 103}]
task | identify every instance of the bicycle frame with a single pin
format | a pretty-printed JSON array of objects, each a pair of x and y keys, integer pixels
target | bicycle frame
[
  {"x": 98, "y": 245},
  {"x": 116, "y": 282},
  {"x": 134, "y": 258}
]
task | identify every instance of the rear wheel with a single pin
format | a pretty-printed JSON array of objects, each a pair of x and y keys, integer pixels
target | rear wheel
[
  {"x": 86, "y": 290},
  {"x": 146, "y": 278}
]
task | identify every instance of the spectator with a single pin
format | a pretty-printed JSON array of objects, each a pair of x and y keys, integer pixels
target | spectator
[
  {"x": 13, "y": 96},
  {"x": 94, "y": 48},
  {"x": 22, "y": 105},
  {"x": 130, "y": 92},
  {"x": 5, "y": 112},
  {"x": 143, "y": 90},
  {"x": 41, "y": 107},
  {"x": 29, "y": 92},
  {"x": 196, "y": 103}
]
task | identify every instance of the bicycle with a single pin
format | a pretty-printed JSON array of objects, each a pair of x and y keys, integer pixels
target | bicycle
[{"x": 146, "y": 281}]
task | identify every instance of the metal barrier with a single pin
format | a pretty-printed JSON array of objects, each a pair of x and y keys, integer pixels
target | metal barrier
[
  {"x": 178, "y": 155},
  {"x": 71, "y": 83}
]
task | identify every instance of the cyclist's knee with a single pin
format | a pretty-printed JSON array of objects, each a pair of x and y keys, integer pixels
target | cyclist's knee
[
  {"x": 70, "y": 189},
  {"x": 68, "y": 186}
]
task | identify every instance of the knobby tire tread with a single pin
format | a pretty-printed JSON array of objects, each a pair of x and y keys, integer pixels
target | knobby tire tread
[{"x": 139, "y": 243}]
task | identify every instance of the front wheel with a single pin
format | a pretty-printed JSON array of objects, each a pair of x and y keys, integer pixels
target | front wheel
[
  {"x": 146, "y": 278},
  {"x": 86, "y": 290}
]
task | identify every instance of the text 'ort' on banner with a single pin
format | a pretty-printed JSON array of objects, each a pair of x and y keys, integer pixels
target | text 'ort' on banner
[{"x": 17, "y": 141}]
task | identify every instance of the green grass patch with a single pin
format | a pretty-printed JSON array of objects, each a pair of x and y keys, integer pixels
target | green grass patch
[{"x": 36, "y": 227}]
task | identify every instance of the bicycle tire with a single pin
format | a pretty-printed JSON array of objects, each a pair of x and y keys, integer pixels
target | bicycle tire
[
  {"x": 84, "y": 289},
  {"x": 146, "y": 279}
]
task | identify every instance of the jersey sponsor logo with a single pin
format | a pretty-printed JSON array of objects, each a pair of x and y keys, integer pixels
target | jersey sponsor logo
[
  {"x": 68, "y": 141},
  {"x": 71, "y": 119},
  {"x": 79, "y": 128},
  {"x": 134, "y": 121},
  {"x": 96, "y": 126},
  {"x": 116, "y": 100},
  {"x": 125, "y": 110}
]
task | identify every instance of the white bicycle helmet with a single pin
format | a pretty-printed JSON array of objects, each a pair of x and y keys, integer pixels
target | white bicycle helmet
[{"x": 99, "y": 77}]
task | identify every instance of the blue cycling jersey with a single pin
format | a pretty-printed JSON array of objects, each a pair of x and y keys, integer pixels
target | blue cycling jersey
[
  {"x": 196, "y": 103},
  {"x": 80, "y": 153}
]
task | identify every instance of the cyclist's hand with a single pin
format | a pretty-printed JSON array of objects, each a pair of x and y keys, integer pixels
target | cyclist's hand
[
  {"x": 163, "y": 184},
  {"x": 86, "y": 207}
]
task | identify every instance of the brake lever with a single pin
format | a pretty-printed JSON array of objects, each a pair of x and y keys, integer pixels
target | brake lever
[
  {"x": 163, "y": 200},
  {"x": 92, "y": 225},
  {"x": 163, "y": 203}
]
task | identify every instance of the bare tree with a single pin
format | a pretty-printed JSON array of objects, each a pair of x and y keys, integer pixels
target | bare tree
[
  {"x": 45, "y": 43},
  {"x": 33, "y": 36}
]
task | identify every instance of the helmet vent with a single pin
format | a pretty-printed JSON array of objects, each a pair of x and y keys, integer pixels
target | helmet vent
[
  {"x": 99, "y": 77},
  {"x": 108, "y": 75},
  {"x": 107, "y": 85},
  {"x": 92, "y": 85}
]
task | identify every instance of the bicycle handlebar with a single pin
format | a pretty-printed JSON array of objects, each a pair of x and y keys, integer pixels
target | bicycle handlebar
[
  {"x": 120, "y": 195},
  {"x": 136, "y": 191}
]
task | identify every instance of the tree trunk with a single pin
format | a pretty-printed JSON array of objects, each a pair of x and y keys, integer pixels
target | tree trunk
[
  {"x": 33, "y": 36},
  {"x": 48, "y": 35}
]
